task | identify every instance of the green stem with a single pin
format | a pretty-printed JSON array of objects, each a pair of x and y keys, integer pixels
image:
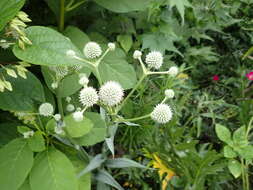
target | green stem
[
  {"x": 131, "y": 93},
  {"x": 133, "y": 119},
  {"x": 96, "y": 71},
  {"x": 249, "y": 127},
  {"x": 62, "y": 15},
  {"x": 60, "y": 107}
]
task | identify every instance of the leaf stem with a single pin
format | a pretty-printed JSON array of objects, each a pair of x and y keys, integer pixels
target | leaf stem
[{"x": 62, "y": 15}]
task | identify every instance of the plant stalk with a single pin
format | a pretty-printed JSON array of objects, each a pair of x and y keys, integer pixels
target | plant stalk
[{"x": 62, "y": 15}]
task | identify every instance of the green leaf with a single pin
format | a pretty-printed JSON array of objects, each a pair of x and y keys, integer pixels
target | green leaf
[
  {"x": 245, "y": 152},
  {"x": 78, "y": 37},
  {"x": 49, "y": 48},
  {"x": 96, "y": 134},
  {"x": 159, "y": 42},
  {"x": 77, "y": 129},
  {"x": 228, "y": 152},
  {"x": 235, "y": 168},
  {"x": 26, "y": 92},
  {"x": 180, "y": 5},
  {"x": 37, "y": 142},
  {"x": 115, "y": 67},
  {"x": 104, "y": 177},
  {"x": 26, "y": 185},
  {"x": 239, "y": 137},
  {"x": 9, "y": 9},
  {"x": 123, "y": 163},
  {"x": 124, "y": 6},
  {"x": 52, "y": 170},
  {"x": 223, "y": 133},
  {"x": 16, "y": 160},
  {"x": 125, "y": 41},
  {"x": 8, "y": 132}
]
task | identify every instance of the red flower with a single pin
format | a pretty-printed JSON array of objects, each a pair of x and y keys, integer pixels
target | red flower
[
  {"x": 216, "y": 77},
  {"x": 249, "y": 75}
]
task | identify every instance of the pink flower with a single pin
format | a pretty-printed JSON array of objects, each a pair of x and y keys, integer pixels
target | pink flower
[
  {"x": 249, "y": 75},
  {"x": 216, "y": 77}
]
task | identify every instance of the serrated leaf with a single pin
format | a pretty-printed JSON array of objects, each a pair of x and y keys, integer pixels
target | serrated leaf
[
  {"x": 77, "y": 128},
  {"x": 235, "y": 168},
  {"x": 180, "y": 5},
  {"x": 52, "y": 170},
  {"x": 223, "y": 133},
  {"x": 16, "y": 160},
  {"x": 48, "y": 48}
]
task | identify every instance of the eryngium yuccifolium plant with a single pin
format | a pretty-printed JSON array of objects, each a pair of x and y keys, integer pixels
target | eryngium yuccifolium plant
[
  {"x": 162, "y": 113},
  {"x": 46, "y": 109},
  {"x": 111, "y": 93},
  {"x": 154, "y": 59},
  {"x": 88, "y": 96},
  {"x": 92, "y": 50}
]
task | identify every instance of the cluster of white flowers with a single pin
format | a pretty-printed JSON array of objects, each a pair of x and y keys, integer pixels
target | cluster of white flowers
[
  {"x": 162, "y": 113},
  {"x": 111, "y": 93},
  {"x": 154, "y": 59},
  {"x": 92, "y": 50},
  {"x": 46, "y": 109}
]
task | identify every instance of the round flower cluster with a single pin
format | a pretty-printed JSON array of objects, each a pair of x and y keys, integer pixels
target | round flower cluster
[
  {"x": 46, "y": 109},
  {"x": 28, "y": 134},
  {"x": 78, "y": 116},
  {"x": 111, "y": 46},
  {"x": 92, "y": 50},
  {"x": 154, "y": 59},
  {"x": 137, "y": 54},
  {"x": 173, "y": 71},
  {"x": 83, "y": 80},
  {"x": 162, "y": 113},
  {"x": 169, "y": 93},
  {"x": 61, "y": 71},
  {"x": 70, "y": 107},
  {"x": 111, "y": 93},
  {"x": 88, "y": 96}
]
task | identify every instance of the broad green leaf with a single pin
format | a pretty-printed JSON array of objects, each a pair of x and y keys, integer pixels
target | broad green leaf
[
  {"x": 26, "y": 93},
  {"x": 223, "y": 133},
  {"x": 8, "y": 132},
  {"x": 115, "y": 67},
  {"x": 248, "y": 53},
  {"x": 228, "y": 152},
  {"x": 49, "y": 48},
  {"x": 16, "y": 160},
  {"x": 235, "y": 168},
  {"x": 25, "y": 185},
  {"x": 9, "y": 9},
  {"x": 245, "y": 152},
  {"x": 104, "y": 177},
  {"x": 123, "y": 163},
  {"x": 52, "y": 170},
  {"x": 37, "y": 142},
  {"x": 96, "y": 134},
  {"x": 124, "y": 6},
  {"x": 77, "y": 128},
  {"x": 67, "y": 86},
  {"x": 78, "y": 37},
  {"x": 125, "y": 41},
  {"x": 180, "y": 5},
  {"x": 23, "y": 129},
  {"x": 239, "y": 137},
  {"x": 159, "y": 42}
]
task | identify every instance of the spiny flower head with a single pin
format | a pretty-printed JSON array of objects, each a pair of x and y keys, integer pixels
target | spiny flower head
[
  {"x": 111, "y": 46},
  {"x": 92, "y": 50},
  {"x": 46, "y": 109},
  {"x": 78, "y": 116},
  {"x": 57, "y": 117},
  {"x": 28, "y": 134},
  {"x": 111, "y": 93},
  {"x": 173, "y": 71},
  {"x": 61, "y": 71},
  {"x": 169, "y": 93},
  {"x": 137, "y": 54},
  {"x": 162, "y": 113},
  {"x": 154, "y": 59},
  {"x": 70, "y": 107},
  {"x": 83, "y": 80},
  {"x": 88, "y": 96}
]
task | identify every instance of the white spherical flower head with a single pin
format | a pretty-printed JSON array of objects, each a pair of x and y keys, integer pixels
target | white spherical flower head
[
  {"x": 169, "y": 93},
  {"x": 78, "y": 116},
  {"x": 111, "y": 46},
  {"x": 154, "y": 59},
  {"x": 46, "y": 109},
  {"x": 83, "y": 80},
  {"x": 162, "y": 113},
  {"x": 88, "y": 96},
  {"x": 92, "y": 50},
  {"x": 137, "y": 54},
  {"x": 68, "y": 99},
  {"x": 54, "y": 85},
  {"x": 173, "y": 71},
  {"x": 70, "y": 107},
  {"x": 57, "y": 117},
  {"x": 28, "y": 134},
  {"x": 59, "y": 131},
  {"x": 111, "y": 93},
  {"x": 70, "y": 53}
]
